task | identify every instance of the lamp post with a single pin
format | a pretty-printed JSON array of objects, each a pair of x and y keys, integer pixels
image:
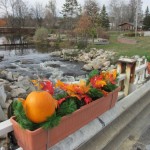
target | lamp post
[{"x": 136, "y": 18}]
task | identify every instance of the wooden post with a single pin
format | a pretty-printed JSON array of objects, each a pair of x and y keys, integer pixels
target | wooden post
[{"x": 127, "y": 66}]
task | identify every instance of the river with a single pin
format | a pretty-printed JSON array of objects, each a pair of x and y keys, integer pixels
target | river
[{"x": 32, "y": 62}]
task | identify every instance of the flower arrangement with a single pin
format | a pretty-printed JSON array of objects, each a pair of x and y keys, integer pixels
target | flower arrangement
[{"x": 51, "y": 107}]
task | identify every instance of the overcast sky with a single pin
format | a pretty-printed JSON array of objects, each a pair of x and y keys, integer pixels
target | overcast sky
[{"x": 101, "y": 2}]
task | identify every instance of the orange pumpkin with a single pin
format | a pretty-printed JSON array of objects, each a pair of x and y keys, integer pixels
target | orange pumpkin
[{"x": 39, "y": 105}]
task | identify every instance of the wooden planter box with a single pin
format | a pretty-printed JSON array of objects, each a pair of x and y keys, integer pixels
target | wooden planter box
[{"x": 42, "y": 139}]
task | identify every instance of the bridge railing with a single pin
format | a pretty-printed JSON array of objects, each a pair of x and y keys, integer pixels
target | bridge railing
[{"x": 131, "y": 74}]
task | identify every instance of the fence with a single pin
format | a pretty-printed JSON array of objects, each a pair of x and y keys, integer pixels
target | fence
[{"x": 131, "y": 75}]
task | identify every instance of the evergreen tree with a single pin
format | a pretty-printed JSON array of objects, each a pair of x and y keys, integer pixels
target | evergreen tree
[
  {"x": 147, "y": 12},
  {"x": 70, "y": 10},
  {"x": 104, "y": 18},
  {"x": 146, "y": 21}
]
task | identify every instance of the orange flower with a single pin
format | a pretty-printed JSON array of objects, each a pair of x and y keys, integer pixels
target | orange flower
[
  {"x": 98, "y": 81},
  {"x": 74, "y": 90}
]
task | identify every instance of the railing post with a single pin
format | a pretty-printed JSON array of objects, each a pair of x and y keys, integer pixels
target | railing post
[{"x": 127, "y": 66}]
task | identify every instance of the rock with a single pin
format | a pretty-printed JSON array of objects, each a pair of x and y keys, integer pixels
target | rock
[
  {"x": 88, "y": 67},
  {"x": 2, "y": 81},
  {"x": 69, "y": 79},
  {"x": 26, "y": 84},
  {"x": 2, "y": 96},
  {"x": 106, "y": 64},
  {"x": 112, "y": 67},
  {"x": 17, "y": 92},
  {"x": 16, "y": 76},
  {"x": 10, "y": 76},
  {"x": 69, "y": 51},
  {"x": 7, "y": 87},
  {"x": 56, "y": 54},
  {"x": 3, "y": 74},
  {"x": 20, "y": 78},
  {"x": 53, "y": 65},
  {"x": 27, "y": 61},
  {"x": 13, "y": 86},
  {"x": 84, "y": 58}
]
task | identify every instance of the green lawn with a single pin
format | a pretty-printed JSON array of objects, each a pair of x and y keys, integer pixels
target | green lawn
[{"x": 141, "y": 48}]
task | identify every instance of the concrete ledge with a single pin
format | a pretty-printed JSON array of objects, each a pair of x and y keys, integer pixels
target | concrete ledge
[{"x": 87, "y": 132}]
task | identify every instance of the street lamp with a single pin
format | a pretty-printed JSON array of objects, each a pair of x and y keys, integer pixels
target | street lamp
[{"x": 136, "y": 18}]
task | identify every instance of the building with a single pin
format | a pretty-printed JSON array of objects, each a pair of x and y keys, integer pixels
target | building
[{"x": 126, "y": 26}]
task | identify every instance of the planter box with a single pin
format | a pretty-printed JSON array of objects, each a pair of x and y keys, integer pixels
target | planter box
[{"x": 42, "y": 139}]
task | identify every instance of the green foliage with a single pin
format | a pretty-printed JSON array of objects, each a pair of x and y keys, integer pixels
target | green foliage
[
  {"x": 61, "y": 95},
  {"x": 104, "y": 18},
  {"x": 51, "y": 122},
  {"x": 82, "y": 44},
  {"x": 109, "y": 87},
  {"x": 79, "y": 103},
  {"x": 21, "y": 118},
  {"x": 146, "y": 21},
  {"x": 41, "y": 34},
  {"x": 131, "y": 34},
  {"x": 148, "y": 58},
  {"x": 67, "y": 107},
  {"x": 25, "y": 123},
  {"x": 95, "y": 93}
]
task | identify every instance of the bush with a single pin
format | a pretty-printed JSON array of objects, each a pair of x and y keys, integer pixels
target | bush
[
  {"x": 131, "y": 34},
  {"x": 104, "y": 35},
  {"x": 82, "y": 44},
  {"x": 41, "y": 34}
]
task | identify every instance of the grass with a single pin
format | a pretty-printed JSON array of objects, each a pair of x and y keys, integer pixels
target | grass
[{"x": 141, "y": 48}]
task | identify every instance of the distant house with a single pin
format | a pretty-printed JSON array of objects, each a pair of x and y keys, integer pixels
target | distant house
[{"x": 126, "y": 26}]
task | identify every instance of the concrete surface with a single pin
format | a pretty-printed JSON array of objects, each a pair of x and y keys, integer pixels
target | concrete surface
[{"x": 111, "y": 136}]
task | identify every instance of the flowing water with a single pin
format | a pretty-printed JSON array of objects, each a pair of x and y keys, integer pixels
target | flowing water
[{"x": 32, "y": 62}]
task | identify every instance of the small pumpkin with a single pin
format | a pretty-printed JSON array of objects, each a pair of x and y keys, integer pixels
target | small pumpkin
[{"x": 39, "y": 105}]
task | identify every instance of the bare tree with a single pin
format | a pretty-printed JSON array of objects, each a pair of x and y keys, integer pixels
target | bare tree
[
  {"x": 15, "y": 11},
  {"x": 50, "y": 14},
  {"x": 92, "y": 9},
  {"x": 38, "y": 13}
]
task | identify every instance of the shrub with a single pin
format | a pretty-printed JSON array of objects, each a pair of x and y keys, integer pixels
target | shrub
[
  {"x": 41, "y": 34},
  {"x": 131, "y": 34},
  {"x": 104, "y": 35},
  {"x": 82, "y": 44}
]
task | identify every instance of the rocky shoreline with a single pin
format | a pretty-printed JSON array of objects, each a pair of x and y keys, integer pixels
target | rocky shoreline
[{"x": 93, "y": 59}]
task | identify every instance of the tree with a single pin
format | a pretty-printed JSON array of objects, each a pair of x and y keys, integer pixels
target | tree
[
  {"x": 70, "y": 10},
  {"x": 38, "y": 13},
  {"x": 83, "y": 26},
  {"x": 104, "y": 18},
  {"x": 147, "y": 12},
  {"x": 15, "y": 12},
  {"x": 50, "y": 14},
  {"x": 135, "y": 5},
  {"x": 146, "y": 21},
  {"x": 119, "y": 12},
  {"x": 92, "y": 10}
]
